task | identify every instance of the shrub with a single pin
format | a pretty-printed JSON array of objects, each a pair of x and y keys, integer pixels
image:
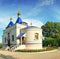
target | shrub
[
  {"x": 50, "y": 41},
  {"x": 0, "y": 45},
  {"x": 30, "y": 50}
]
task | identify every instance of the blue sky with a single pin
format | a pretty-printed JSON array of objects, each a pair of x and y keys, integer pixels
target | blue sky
[{"x": 36, "y": 11}]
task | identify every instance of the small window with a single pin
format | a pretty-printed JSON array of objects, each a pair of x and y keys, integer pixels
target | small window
[
  {"x": 36, "y": 35},
  {"x": 5, "y": 39},
  {"x": 8, "y": 34},
  {"x": 12, "y": 37}
]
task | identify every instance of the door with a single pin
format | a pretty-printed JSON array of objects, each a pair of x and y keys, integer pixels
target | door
[
  {"x": 8, "y": 42},
  {"x": 23, "y": 41}
]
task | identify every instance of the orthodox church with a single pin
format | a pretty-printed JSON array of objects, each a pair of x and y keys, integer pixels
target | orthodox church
[{"x": 22, "y": 36}]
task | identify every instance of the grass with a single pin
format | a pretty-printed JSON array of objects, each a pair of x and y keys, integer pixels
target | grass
[
  {"x": 40, "y": 50},
  {"x": 30, "y": 50},
  {"x": 0, "y": 45}
]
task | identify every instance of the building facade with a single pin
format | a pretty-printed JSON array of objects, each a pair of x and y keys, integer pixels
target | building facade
[{"x": 21, "y": 34}]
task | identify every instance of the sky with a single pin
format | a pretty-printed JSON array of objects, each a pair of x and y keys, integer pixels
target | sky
[{"x": 36, "y": 11}]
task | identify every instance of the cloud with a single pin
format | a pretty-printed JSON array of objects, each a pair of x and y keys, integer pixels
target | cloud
[
  {"x": 34, "y": 22},
  {"x": 57, "y": 17},
  {"x": 47, "y": 2},
  {"x": 4, "y": 22},
  {"x": 39, "y": 7},
  {"x": 56, "y": 13}
]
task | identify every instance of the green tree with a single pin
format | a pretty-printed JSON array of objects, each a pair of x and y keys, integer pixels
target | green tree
[{"x": 51, "y": 30}]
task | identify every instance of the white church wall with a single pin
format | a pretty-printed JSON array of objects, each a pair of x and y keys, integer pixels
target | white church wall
[
  {"x": 20, "y": 47},
  {"x": 23, "y": 30},
  {"x": 11, "y": 31},
  {"x": 4, "y": 41},
  {"x": 18, "y": 31},
  {"x": 18, "y": 28},
  {"x": 31, "y": 35},
  {"x": 31, "y": 42},
  {"x": 33, "y": 46}
]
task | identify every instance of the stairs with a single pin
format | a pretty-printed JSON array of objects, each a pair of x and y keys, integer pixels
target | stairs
[
  {"x": 17, "y": 47},
  {"x": 5, "y": 48},
  {"x": 13, "y": 48}
]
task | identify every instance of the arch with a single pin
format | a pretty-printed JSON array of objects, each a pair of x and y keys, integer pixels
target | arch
[{"x": 36, "y": 36}]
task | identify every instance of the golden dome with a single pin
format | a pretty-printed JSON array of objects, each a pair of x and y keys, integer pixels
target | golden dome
[
  {"x": 10, "y": 18},
  {"x": 18, "y": 13}
]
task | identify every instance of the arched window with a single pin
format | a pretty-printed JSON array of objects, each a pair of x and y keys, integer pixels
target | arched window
[
  {"x": 8, "y": 35},
  {"x": 36, "y": 36},
  {"x": 12, "y": 37}
]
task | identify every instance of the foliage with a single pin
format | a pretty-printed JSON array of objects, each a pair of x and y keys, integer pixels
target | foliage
[
  {"x": 0, "y": 45},
  {"x": 51, "y": 32},
  {"x": 40, "y": 50},
  {"x": 30, "y": 50}
]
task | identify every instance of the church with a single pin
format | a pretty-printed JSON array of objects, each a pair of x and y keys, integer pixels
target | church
[{"x": 20, "y": 35}]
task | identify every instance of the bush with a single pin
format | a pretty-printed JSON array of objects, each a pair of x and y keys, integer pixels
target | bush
[
  {"x": 50, "y": 41},
  {"x": 48, "y": 48},
  {"x": 0, "y": 45},
  {"x": 30, "y": 50}
]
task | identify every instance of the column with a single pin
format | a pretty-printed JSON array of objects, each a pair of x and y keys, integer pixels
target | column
[{"x": 21, "y": 40}]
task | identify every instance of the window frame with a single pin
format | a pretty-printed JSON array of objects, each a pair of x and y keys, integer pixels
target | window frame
[
  {"x": 5, "y": 39},
  {"x": 36, "y": 36},
  {"x": 12, "y": 37}
]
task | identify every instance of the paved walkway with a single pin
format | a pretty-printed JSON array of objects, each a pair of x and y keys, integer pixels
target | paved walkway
[{"x": 21, "y": 55}]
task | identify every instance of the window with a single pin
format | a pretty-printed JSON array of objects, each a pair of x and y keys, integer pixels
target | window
[
  {"x": 20, "y": 31},
  {"x": 36, "y": 35},
  {"x": 8, "y": 35},
  {"x": 12, "y": 37},
  {"x": 5, "y": 39}
]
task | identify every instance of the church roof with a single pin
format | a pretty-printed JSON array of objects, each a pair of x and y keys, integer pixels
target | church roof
[
  {"x": 20, "y": 35},
  {"x": 19, "y": 20},
  {"x": 10, "y": 24}
]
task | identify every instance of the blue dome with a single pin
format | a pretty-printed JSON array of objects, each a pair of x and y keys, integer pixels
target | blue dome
[
  {"x": 19, "y": 20},
  {"x": 10, "y": 24}
]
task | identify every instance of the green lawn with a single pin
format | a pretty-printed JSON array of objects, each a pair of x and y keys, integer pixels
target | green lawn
[{"x": 41, "y": 50}]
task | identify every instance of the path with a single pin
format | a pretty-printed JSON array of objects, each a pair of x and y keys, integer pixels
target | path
[{"x": 21, "y": 55}]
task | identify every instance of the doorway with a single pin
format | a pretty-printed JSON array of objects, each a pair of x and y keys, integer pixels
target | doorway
[
  {"x": 23, "y": 40},
  {"x": 9, "y": 42}
]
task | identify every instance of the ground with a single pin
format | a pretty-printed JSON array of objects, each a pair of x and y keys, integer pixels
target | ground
[{"x": 35, "y": 55}]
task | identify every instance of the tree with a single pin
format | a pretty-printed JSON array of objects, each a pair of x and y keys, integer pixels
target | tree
[{"x": 51, "y": 30}]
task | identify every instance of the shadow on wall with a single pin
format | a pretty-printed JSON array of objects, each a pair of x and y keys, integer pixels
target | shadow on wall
[{"x": 6, "y": 57}]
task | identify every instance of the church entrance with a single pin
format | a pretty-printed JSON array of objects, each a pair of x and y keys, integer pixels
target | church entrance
[
  {"x": 8, "y": 39},
  {"x": 8, "y": 42},
  {"x": 23, "y": 41}
]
